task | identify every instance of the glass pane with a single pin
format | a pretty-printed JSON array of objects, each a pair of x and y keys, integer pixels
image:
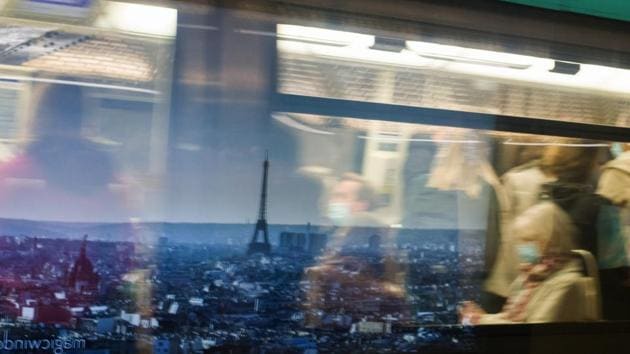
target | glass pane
[{"x": 156, "y": 195}]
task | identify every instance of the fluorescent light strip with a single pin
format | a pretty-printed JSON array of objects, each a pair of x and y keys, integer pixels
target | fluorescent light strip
[
  {"x": 138, "y": 18},
  {"x": 421, "y": 140},
  {"x": 199, "y": 27},
  {"x": 323, "y": 36},
  {"x": 473, "y": 56},
  {"x": 288, "y": 121},
  {"x": 255, "y": 33},
  {"x": 405, "y": 58},
  {"x": 510, "y": 142},
  {"x": 476, "y": 61},
  {"x": 80, "y": 83}
]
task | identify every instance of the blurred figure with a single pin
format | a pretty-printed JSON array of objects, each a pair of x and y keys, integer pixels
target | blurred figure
[
  {"x": 576, "y": 170},
  {"x": 567, "y": 175},
  {"x": 60, "y": 175},
  {"x": 614, "y": 182},
  {"x": 357, "y": 277},
  {"x": 520, "y": 189},
  {"x": 424, "y": 206},
  {"x": 351, "y": 202},
  {"x": 548, "y": 287},
  {"x": 614, "y": 185}
]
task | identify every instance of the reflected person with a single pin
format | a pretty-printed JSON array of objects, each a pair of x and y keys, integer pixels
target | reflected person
[
  {"x": 60, "y": 175},
  {"x": 356, "y": 278}
]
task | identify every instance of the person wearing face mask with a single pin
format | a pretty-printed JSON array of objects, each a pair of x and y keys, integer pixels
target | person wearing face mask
[
  {"x": 569, "y": 165},
  {"x": 357, "y": 263},
  {"x": 351, "y": 203},
  {"x": 548, "y": 287}
]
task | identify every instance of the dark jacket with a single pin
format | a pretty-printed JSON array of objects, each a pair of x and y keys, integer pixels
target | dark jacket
[
  {"x": 593, "y": 215},
  {"x": 582, "y": 205}
]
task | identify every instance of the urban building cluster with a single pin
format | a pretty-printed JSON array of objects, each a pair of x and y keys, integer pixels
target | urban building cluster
[{"x": 170, "y": 297}]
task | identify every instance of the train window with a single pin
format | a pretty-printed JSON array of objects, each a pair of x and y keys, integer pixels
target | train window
[{"x": 188, "y": 177}]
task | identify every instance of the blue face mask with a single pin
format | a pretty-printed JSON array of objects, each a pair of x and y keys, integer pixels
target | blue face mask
[
  {"x": 339, "y": 213},
  {"x": 528, "y": 253},
  {"x": 616, "y": 149}
]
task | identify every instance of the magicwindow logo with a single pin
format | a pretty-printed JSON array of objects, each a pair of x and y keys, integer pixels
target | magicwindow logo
[{"x": 53, "y": 344}]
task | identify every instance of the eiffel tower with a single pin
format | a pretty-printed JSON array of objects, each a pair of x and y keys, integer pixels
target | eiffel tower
[{"x": 263, "y": 246}]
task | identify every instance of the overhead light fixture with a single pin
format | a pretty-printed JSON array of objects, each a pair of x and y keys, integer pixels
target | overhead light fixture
[
  {"x": 511, "y": 142},
  {"x": 138, "y": 18},
  {"x": 357, "y": 54},
  {"x": 288, "y": 121},
  {"x": 470, "y": 56},
  {"x": 78, "y": 83},
  {"x": 316, "y": 35},
  {"x": 487, "y": 64},
  {"x": 395, "y": 139}
]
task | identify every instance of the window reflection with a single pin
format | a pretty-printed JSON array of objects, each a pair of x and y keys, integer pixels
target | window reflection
[{"x": 130, "y": 187}]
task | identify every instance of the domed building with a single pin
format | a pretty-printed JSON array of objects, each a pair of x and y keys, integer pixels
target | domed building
[{"x": 82, "y": 278}]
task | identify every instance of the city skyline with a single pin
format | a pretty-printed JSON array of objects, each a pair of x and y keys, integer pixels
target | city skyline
[{"x": 231, "y": 300}]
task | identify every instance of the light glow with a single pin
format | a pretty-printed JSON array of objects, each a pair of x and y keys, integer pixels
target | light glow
[
  {"x": 511, "y": 142},
  {"x": 137, "y": 18},
  {"x": 473, "y": 56},
  {"x": 324, "y": 36},
  {"x": 445, "y": 141},
  {"x": 500, "y": 66}
]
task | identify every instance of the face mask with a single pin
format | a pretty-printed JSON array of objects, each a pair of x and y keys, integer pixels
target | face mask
[
  {"x": 528, "y": 253},
  {"x": 616, "y": 149},
  {"x": 338, "y": 212}
]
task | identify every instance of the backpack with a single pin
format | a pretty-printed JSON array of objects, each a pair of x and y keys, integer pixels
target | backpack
[{"x": 598, "y": 221}]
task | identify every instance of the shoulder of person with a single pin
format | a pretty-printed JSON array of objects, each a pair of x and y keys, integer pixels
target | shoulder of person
[
  {"x": 565, "y": 278},
  {"x": 591, "y": 205},
  {"x": 533, "y": 164},
  {"x": 621, "y": 163},
  {"x": 528, "y": 169},
  {"x": 526, "y": 177}
]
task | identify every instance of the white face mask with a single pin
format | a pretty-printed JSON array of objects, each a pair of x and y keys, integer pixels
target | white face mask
[{"x": 339, "y": 212}]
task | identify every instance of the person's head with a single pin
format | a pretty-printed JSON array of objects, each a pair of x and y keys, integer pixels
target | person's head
[
  {"x": 57, "y": 109},
  {"x": 543, "y": 230},
  {"x": 574, "y": 163},
  {"x": 351, "y": 195}
]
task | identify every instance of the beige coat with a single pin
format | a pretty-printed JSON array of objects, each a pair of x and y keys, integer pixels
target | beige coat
[
  {"x": 519, "y": 190},
  {"x": 560, "y": 298}
]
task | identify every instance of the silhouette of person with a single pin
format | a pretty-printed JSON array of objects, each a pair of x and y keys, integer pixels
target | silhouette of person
[{"x": 59, "y": 175}]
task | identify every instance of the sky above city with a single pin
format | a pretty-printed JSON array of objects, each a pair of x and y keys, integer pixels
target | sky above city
[{"x": 212, "y": 175}]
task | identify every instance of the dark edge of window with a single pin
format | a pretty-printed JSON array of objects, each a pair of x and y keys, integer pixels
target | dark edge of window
[{"x": 443, "y": 117}]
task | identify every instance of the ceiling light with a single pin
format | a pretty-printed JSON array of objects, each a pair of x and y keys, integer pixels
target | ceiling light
[
  {"x": 486, "y": 64},
  {"x": 323, "y": 36},
  {"x": 137, "y": 18},
  {"x": 511, "y": 142},
  {"x": 470, "y": 56}
]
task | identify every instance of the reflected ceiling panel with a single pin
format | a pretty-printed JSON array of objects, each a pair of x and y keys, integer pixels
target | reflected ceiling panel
[{"x": 429, "y": 75}]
